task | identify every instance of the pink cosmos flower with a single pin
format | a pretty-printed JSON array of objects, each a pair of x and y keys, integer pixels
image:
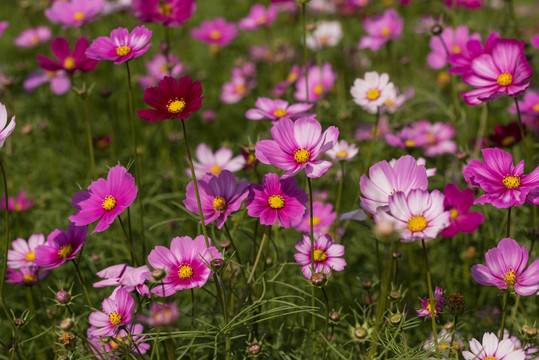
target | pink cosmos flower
[
  {"x": 458, "y": 203},
  {"x": 28, "y": 275},
  {"x": 258, "y": 17},
  {"x": 68, "y": 61},
  {"x": 61, "y": 246},
  {"x": 121, "y": 46},
  {"x": 185, "y": 263},
  {"x": 220, "y": 196},
  {"x": 21, "y": 203},
  {"x": 320, "y": 81},
  {"x": 275, "y": 109},
  {"x": 74, "y": 13},
  {"x": 327, "y": 255},
  {"x": 32, "y": 37},
  {"x": 469, "y": 4},
  {"x": 242, "y": 81},
  {"x": 381, "y": 29},
  {"x": 420, "y": 161},
  {"x": 366, "y": 131},
  {"x": 504, "y": 71},
  {"x": 529, "y": 348},
  {"x": 323, "y": 218},
  {"x": 217, "y": 32},
  {"x": 372, "y": 92},
  {"x": 493, "y": 348},
  {"x": 418, "y": 215},
  {"x": 297, "y": 146},
  {"x": 161, "y": 315},
  {"x": 528, "y": 105},
  {"x": 117, "y": 312},
  {"x": 159, "y": 67},
  {"x": 59, "y": 81},
  {"x": 280, "y": 88},
  {"x": 105, "y": 199},
  {"x": 435, "y": 139},
  {"x": 384, "y": 180},
  {"x": 505, "y": 269},
  {"x": 168, "y": 12},
  {"x": 125, "y": 277},
  {"x": 24, "y": 253},
  {"x": 505, "y": 185},
  {"x": 214, "y": 163},
  {"x": 326, "y": 33},
  {"x": 3, "y": 26},
  {"x": 395, "y": 100},
  {"x": 455, "y": 43},
  {"x": 5, "y": 131},
  {"x": 462, "y": 61},
  {"x": 276, "y": 200},
  {"x": 439, "y": 303},
  {"x": 115, "y": 347},
  {"x": 343, "y": 151}
]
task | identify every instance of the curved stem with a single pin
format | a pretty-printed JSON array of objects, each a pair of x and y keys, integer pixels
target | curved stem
[
  {"x": 6, "y": 248},
  {"x": 504, "y": 308},
  {"x": 81, "y": 279},
  {"x": 431, "y": 300}
]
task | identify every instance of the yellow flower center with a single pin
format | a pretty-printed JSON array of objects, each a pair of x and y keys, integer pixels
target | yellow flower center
[
  {"x": 34, "y": 40},
  {"x": 276, "y": 202},
  {"x": 18, "y": 207},
  {"x": 175, "y": 106},
  {"x": 373, "y": 94},
  {"x": 442, "y": 78},
  {"x": 78, "y": 16},
  {"x": 109, "y": 203},
  {"x": 429, "y": 308},
  {"x": 165, "y": 9},
  {"x": 262, "y": 20},
  {"x": 115, "y": 318},
  {"x": 324, "y": 40},
  {"x": 69, "y": 63},
  {"x": 116, "y": 342},
  {"x": 454, "y": 214},
  {"x": 215, "y": 170},
  {"x": 320, "y": 255},
  {"x": 318, "y": 89},
  {"x": 456, "y": 49},
  {"x": 386, "y": 31},
  {"x": 490, "y": 358},
  {"x": 240, "y": 89},
  {"x": 215, "y": 34},
  {"x": 342, "y": 154},
  {"x": 417, "y": 223},
  {"x": 409, "y": 143},
  {"x": 292, "y": 77},
  {"x": 28, "y": 279},
  {"x": 185, "y": 271},
  {"x": 431, "y": 138},
  {"x": 302, "y": 155},
  {"x": 510, "y": 278},
  {"x": 316, "y": 221},
  {"x": 279, "y": 113},
  {"x": 65, "y": 250},
  {"x": 219, "y": 203},
  {"x": 389, "y": 102},
  {"x": 511, "y": 182},
  {"x": 123, "y": 50},
  {"x": 506, "y": 141},
  {"x": 504, "y": 79},
  {"x": 31, "y": 256},
  {"x": 536, "y": 107}
]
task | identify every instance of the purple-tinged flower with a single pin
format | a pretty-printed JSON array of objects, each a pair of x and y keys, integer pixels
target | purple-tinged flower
[
  {"x": 297, "y": 146},
  {"x": 528, "y": 105},
  {"x": 458, "y": 203},
  {"x": 462, "y": 61},
  {"x": 32, "y": 37},
  {"x": 320, "y": 80},
  {"x": 372, "y": 92},
  {"x": 435, "y": 139},
  {"x": 159, "y": 67},
  {"x": 275, "y": 109},
  {"x": 3, "y": 26},
  {"x": 469, "y": 4},
  {"x": 505, "y": 269},
  {"x": 327, "y": 255},
  {"x": 74, "y": 13},
  {"x": 21, "y": 203},
  {"x": 505, "y": 185},
  {"x": 529, "y": 348},
  {"x": 59, "y": 81},
  {"x": 215, "y": 163},
  {"x": 276, "y": 200},
  {"x": 506, "y": 135},
  {"x": 419, "y": 215},
  {"x": 217, "y": 32},
  {"x": 326, "y": 33},
  {"x": 61, "y": 246},
  {"x": 67, "y": 60},
  {"x": 342, "y": 151},
  {"x": 242, "y": 81},
  {"x": 445, "y": 347},
  {"x": 127, "y": 340},
  {"x": 439, "y": 303},
  {"x": 125, "y": 277},
  {"x": 366, "y": 131},
  {"x": 105, "y": 199},
  {"x": 504, "y": 71},
  {"x": 450, "y": 41},
  {"x": 381, "y": 29},
  {"x": 323, "y": 218},
  {"x": 170, "y": 13},
  {"x": 121, "y": 46},
  {"x": 280, "y": 88},
  {"x": 5, "y": 131},
  {"x": 385, "y": 179},
  {"x": 117, "y": 312},
  {"x": 258, "y": 17},
  {"x": 161, "y": 315},
  {"x": 220, "y": 196},
  {"x": 185, "y": 264},
  {"x": 23, "y": 253},
  {"x": 493, "y": 348},
  {"x": 28, "y": 275}
]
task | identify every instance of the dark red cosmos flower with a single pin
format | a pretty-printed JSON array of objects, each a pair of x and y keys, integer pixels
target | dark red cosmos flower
[
  {"x": 68, "y": 61},
  {"x": 172, "y": 100},
  {"x": 506, "y": 136}
]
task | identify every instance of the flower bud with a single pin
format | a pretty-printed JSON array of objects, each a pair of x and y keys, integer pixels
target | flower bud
[
  {"x": 66, "y": 324},
  {"x": 360, "y": 333},
  {"x": 217, "y": 263},
  {"x": 396, "y": 255},
  {"x": 449, "y": 325},
  {"x": 436, "y": 30},
  {"x": 530, "y": 332},
  {"x": 225, "y": 243},
  {"x": 334, "y": 315},
  {"x": 366, "y": 284},
  {"x": 395, "y": 296},
  {"x": 159, "y": 274},
  {"x": 395, "y": 319},
  {"x": 254, "y": 348},
  {"x": 62, "y": 297},
  {"x": 19, "y": 322},
  {"x": 319, "y": 279}
]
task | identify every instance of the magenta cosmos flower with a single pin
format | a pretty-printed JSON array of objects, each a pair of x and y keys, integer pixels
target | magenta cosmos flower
[
  {"x": 105, "y": 199},
  {"x": 116, "y": 347},
  {"x": 217, "y": 32},
  {"x": 505, "y": 185},
  {"x": 418, "y": 215},
  {"x": 258, "y": 17},
  {"x": 121, "y": 45},
  {"x": 74, "y": 13},
  {"x": 469, "y": 4},
  {"x": 450, "y": 41},
  {"x": 504, "y": 71},
  {"x": 493, "y": 348},
  {"x": 320, "y": 81},
  {"x": 276, "y": 200},
  {"x": 34, "y": 36},
  {"x": 327, "y": 255},
  {"x": 167, "y": 12},
  {"x": 296, "y": 146},
  {"x": 385, "y": 179},
  {"x": 381, "y": 29},
  {"x": 435, "y": 139},
  {"x": 505, "y": 269},
  {"x": 19, "y": 204},
  {"x": 214, "y": 163},
  {"x": 5, "y": 131},
  {"x": 125, "y": 277},
  {"x": 117, "y": 312},
  {"x": 372, "y": 92},
  {"x": 185, "y": 264},
  {"x": 61, "y": 246},
  {"x": 28, "y": 275},
  {"x": 458, "y": 203},
  {"x": 462, "y": 60},
  {"x": 24, "y": 253},
  {"x": 59, "y": 81},
  {"x": 161, "y": 315},
  {"x": 67, "y": 60},
  {"x": 172, "y": 99},
  {"x": 323, "y": 218},
  {"x": 439, "y": 303},
  {"x": 275, "y": 109},
  {"x": 220, "y": 196}
]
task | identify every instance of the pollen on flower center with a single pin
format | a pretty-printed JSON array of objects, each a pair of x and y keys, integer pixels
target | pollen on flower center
[
  {"x": 454, "y": 214},
  {"x": 262, "y": 20},
  {"x": 28, "y": 279},
  {"x": 78, "y": 16},
  {"x": 504, "y": 79},
  {"x": 279, "y": 113},
  {"x": 429, "y": 308},
  {"x": 123, "y": 50},
  {"x": 320, "y": 255},
  {"x": 409, "y": 143},
  {"x": 30, "y": 256},
  {"x": 417, "y": 223},
  {"x": 109, "y": 203},
  {"x": 116, "y": 342},
  {"x": 219, "y": 203},
  {"x": 536, "y": 107},
  {"x": 215, "y": 169},
  {"x": 373, "y": 94},
  {"x": 215, "y": 34},
  {"x": 69, "y": 63},
  {"x": 456, "y": 49},
  {"x": 318, "y": 89},
  {"x": 490, "y": 358},
  {"x": 115, "y": 318},
  {"x": 276, "y": 202},
  {"x": 302, "y": 155},
  {"x": 185, "y": 271},
  {"x": 165, "y": 9},
  {"x": 240, "y": 89},
  {"x": 175, "y": 106},
  {"x": 65, "y": 250},
  {"x": 510, "y": 278},
  {"x": 342, "y": 154},
  {"x": 316, "y": 221},
  {"x": 386, "y": 31},
  {"x": 511, "y": 182},
  {"x": 506, "y": 141}
]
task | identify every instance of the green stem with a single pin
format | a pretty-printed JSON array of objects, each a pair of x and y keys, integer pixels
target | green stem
[
  {"x": 509, "y": 221},
  {"x": 481, "y": 131},
  {"x": 338, "y": 201},
  {"x": 431, "y": 300},
  {"x": 305, "y": 57},
  {"x": 6, "y": 248},
  {"x": 514, "y": 313},
  {"x": 235, "y": 247},
  {"x": 313, "y": 303},
  {"x": 89, "y": 134},
  {"x": 326, "y": 325},
  {"x": 83, "y": 284},
  {"x": 455, "y": 319},
  {"x": 129, "y": 243},
  {"x": 504, "y": 307},
  {"x": 373, "y": 142},
  {"x": 192, "y": 350},
  {"x": 523, "y": 134}
]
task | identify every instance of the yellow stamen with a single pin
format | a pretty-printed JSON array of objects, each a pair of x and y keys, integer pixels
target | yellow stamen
[
  {"x": 342, "y": 154},
  {"x": 417, "y": 223},
  {"x": 506, "y": 141},
  {"x": 510, "y": 278},
  {"x": 240, "y": 89},
  {"x": 34, "y": 40},
  {"x": 65, "y": 250},
  {"x": 386, "y": 31},
  {"x": 409, "y": 143},
  {"x": 165, "y": 9},
  {"x": 78, "y": 16},
  {"x": 373, "y": 94},
  {"x": 318, "y": 89},
  {"x": 454, "y": 214},
  {"x": 28, "y": 279},
  {"x": 262, "y": 20},
  {"x": 109, "y": 203},
  {"x": 316, "y": 221},
  {"x": 175, "y": 106},
  {"x": 116, "y": 342},
  {"x": 504, "y": 79},
  {"x": 279, "y": 113},
  {"x": 292, "y": 77},
  {"x": 30, "y": 256},
  {"x": 302, "y": 155},
  {"x": 456, "y": 49},
  {"x": 115, "y": 318},
  {"x": 429, "y": 308},
  {"x": 431, "y": 138},
  {"x": 490, "y": 358},
  {"x": 389, "y": 102},
  {"x": 442, "y": 78},
  {"x": 323, "y": 40},
  {"x": 320, "y": 255},
  {"x": 215, "y": 169},
  {"x": 185, "y": 271},
  {"x": 215, "y": 34},
  {"x": 536, "y": 107},
  {"x": 123, "y": 50},
  {"x": 69, "y": 63},
  {"x": 219, "y": 203},
  {"x": 18, "y": 207},
  {"x": 511, "y": 182},
  {"x": 276, "y": 202}
]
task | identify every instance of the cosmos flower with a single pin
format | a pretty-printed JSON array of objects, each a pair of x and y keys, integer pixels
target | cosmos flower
[
  {"x": 372, "y": 92},
  {"x": 74, "y": 13},
  {"x": 159, "y": 67},
  {"x": 161, "y": 315},
  {"x": 492, "y": 348},
  {"x": 217, "y": 32},
  {"x": 381, "y": 29},
  {"x": 462, "y": 60},
  {"x": 323, "y": 218},
  {"x": 506, "y": 135},
  {"x": 125, "y": 277},
  {"x": 258, "y": 17},
  {"x": 170, "y": 13},
  {"x": 435, "y": 139},
  {"x": 342, "y": 151},
  {"x": 5, "y": 128},
  {"x": 3, "y": 26},
  {"x": 320, "y": 81},
  {"x": 365, "y": 131},
  {"x": 469, "y": 4},
  {"x": 458, "y": 203},
  {"x": 214, "y": 163},
  {"x": 61, "y": 246},
  {"x": 23, "y": 253},
  {"x": 121, "y": 46},
  {"x": 28, "y": 275},
  {"x": 59, "y": 81},
  {"x": 529, "y": 349},
  {"x": 114, "y": 347},
  {"x": 275, "y": 109},
  {"x": 67, "y": 60},
  {"x": 117, "y": 312},
  {"x": 327, "y": 255},
  {"x": 21, "y": 203},
  {"x": 32, "y": 37},
  {"x": 439, "y": 303},
  {"x": 448, "y": 43},
  {"x": 326, "y": 33}
]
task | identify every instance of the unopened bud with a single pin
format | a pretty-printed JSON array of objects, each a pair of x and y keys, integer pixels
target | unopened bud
[
  {"x": 62, "y": 297},
  {"x": 95, "y": 257},
  {"x": 395, "y": 295},
  {"x": 66, "y": 324},
  {"x": 530, "y": 332},
  {"x": 319, "y": 279},
  {"x": 19, "y": 322},
  {"x": 366, "y": 284},
  {"x": 436, "y": 30},
  {"x": 334, "y": 315},
  {"x": 395, "y": 319},
  {"x": 159, "y": 274},
  {"x": 225, "y": 243},
  {"x": 254, "y": 348},
  {"x": 360, "y": 333},
  {"x": 396, "y": 255},
  {"x": 449, "y": 325},
  {"x": 217, "y": 263}
]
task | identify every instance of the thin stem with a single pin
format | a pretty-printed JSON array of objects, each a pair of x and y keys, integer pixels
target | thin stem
[
  {"x": 504, "y": 307},
  {"x": 509, "y": 221},
  {"x": 514, "y": 313},
  {"x": 522, "y": 133},
  {"x": 192, "y": 350},
  {"x": 83, "y": 284},
  {"x": 313, "y": 303},
  {"x": 234, "y": 246},
  {"x": 6, "y": 248},
  {"x": 373, "y": 142},
  {"x": 455, "y": 319},
  {"x": 481, "y": 131},
  {"x": 155, "y": 344},
  {"x": 431, "y": 300},
  {"x": 326, "y": 325},
  {"x": 447, "y": 53},
  {"x": 129, "y": 243},
  {"x": 89, "y": 134},
  {"x": 305, "y": 57},
  {"x": 338, "y": 201}
]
